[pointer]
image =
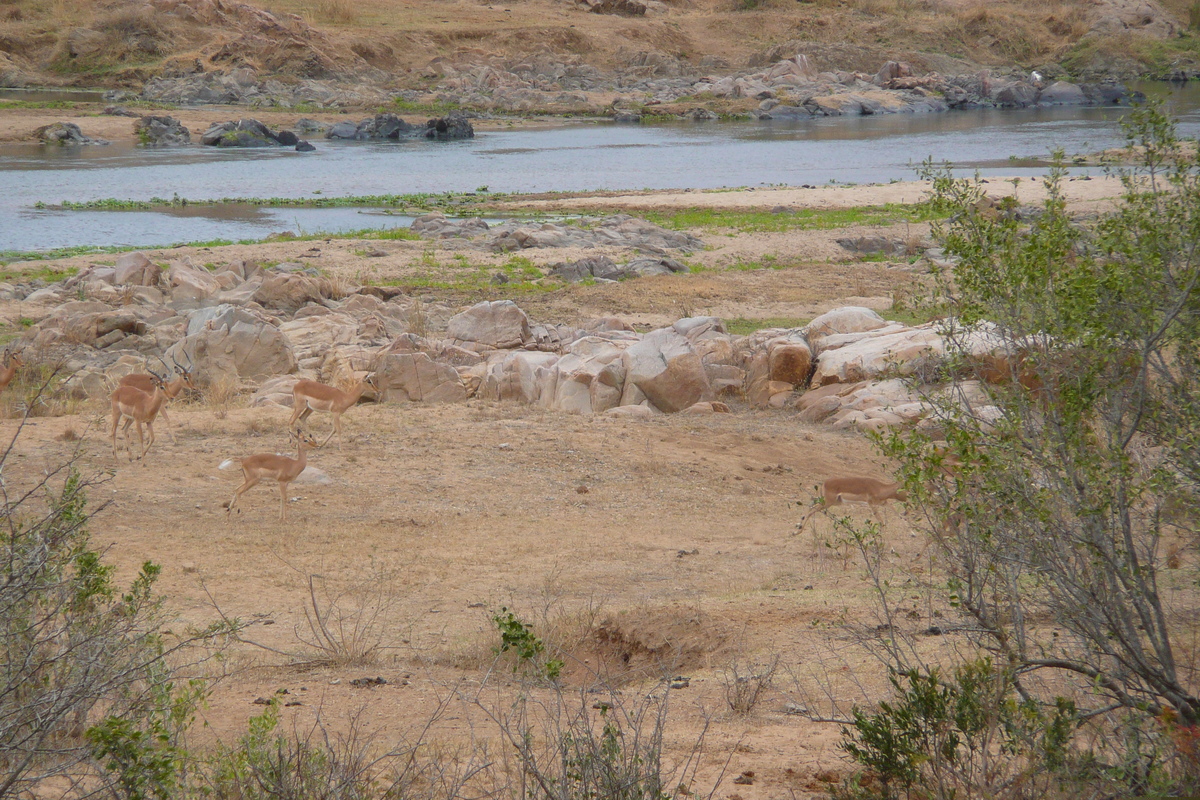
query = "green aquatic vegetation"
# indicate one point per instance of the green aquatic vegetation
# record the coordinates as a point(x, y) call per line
point(418, 201)
point(63, 104)
point(792, 219)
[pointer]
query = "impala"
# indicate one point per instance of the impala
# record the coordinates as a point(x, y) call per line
point(8, 367)
point(852, 489)
point(309, 396)
point(171, 389)
point(275, 467)
point(140, 407)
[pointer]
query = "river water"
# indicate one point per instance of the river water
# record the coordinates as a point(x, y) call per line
point(569, 157)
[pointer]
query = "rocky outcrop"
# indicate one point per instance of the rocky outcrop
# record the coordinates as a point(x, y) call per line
point(64, 133)
point(243, 351)
point(389, 126)
point(250, 133)
point(161, 131)
point(665, 370)
point(417, 378)
point(498, 325)
point(241, 325)
point(620, 230)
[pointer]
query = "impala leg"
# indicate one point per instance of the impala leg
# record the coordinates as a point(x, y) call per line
point(337, 428)
point(297, 413)
point(116, 417)
point(150, 427)
point(167, 422)
point(282, 501)
point(249, 484)
point(128, 448)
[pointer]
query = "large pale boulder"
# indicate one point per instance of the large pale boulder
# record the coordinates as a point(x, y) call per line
point(288, 292)
point(313, 337)
point(417, 377)
point(242, 351)
point(97, 329)
point(849, 319)
point(774, 358)
point(516, 376)
point(498, 323)
point(898, 353)
point(135, 269)
point(666, 370)
point(573, 386)
point(222, 316)
point(347, 364)
point(191, 286)
point(275, 392)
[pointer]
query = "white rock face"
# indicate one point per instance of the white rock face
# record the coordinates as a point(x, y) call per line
point(135, 269)
point(665, 369)
point(243, 351)
point(897, 353)
point(499, 324)
point(418, 378)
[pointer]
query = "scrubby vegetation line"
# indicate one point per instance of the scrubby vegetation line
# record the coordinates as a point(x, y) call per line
point(414, 201)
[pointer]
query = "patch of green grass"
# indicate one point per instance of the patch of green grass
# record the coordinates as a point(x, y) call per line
point(743, 327)
point(435, 109)
point(767, 261)
point(419, 201)
point(63, 104)
point(797, 219)
point(477, 281)
point(47, 274)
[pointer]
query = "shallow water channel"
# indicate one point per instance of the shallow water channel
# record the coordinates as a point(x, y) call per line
point(569, 157)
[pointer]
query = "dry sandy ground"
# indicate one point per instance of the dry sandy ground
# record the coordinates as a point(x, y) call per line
point(676, 532)
point(668, 540)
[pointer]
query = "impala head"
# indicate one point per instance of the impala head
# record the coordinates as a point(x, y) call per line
point(306, 440)
point(370, 381)
point(12, 357)
point(160, 380)
point(184, 372)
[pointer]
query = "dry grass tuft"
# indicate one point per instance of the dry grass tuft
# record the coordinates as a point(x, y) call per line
point(335, 12)
point(220, 394)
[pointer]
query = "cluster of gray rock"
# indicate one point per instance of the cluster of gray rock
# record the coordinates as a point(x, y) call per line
point(64, 133)
point(243, 87)
point(264, 329)
point(618, 230)
point(389, 126)
point(790, 88)
point(251, 133)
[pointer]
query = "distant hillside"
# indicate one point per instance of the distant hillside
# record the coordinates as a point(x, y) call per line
point(415, 44)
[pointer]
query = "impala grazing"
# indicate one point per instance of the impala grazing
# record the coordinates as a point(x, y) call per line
point(852, 489)
point(309, 396)
point(140, 407)
point(271, 466)
point(8, 367)
point(171, 389)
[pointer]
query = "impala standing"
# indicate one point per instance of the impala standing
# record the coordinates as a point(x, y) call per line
point(8, 367)
point(309, 396)
point(171, 389)
point(275, 467)
point(137, 406)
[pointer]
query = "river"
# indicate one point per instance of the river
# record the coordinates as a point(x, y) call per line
point(569, 157)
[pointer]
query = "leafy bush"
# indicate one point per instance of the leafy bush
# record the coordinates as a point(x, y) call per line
point(963, 738)
point(69, 641)
point(1060, 469)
